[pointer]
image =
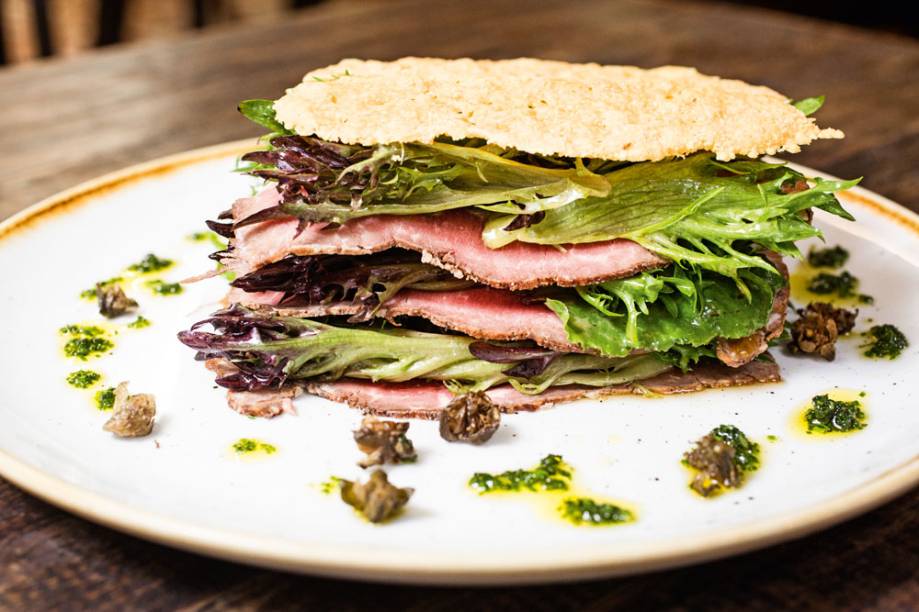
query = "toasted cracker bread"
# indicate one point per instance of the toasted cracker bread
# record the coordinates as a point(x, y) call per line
point(618, 113)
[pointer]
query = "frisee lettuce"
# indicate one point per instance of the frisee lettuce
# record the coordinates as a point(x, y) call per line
point(694, 211)
point(685, 357)
point(636, 294)
point(408, 179)
point(669, 310)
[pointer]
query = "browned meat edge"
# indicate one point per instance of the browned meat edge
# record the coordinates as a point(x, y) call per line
point(709, 376)
point(740, 351)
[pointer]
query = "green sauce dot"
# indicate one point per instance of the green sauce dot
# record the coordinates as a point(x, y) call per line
point(585, 511)
point(150, 263)
point(552, 474)
point(83, 379)
point(161, 287)
point(828, 415)
point(885, 341)
point(831, 257)
point(250, 445)
point(331, 485)
point(139, 323)
point(105, 399)
point(86, 346)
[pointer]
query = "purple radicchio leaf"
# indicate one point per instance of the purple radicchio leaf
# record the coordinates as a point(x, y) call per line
point(529, 361)
point(266, 214)
point(524, 221)
point(312, 171)
point(221, 229)
point(497, 353)
point(365, 281)
point(267, 373)
point(236, 336)
point(531, 367)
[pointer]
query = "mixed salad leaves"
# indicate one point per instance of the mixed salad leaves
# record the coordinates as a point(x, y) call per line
point(716, 222)
point(694, 211)
point(268, 350)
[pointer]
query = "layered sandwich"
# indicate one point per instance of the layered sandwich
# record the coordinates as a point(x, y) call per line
point(538, 231)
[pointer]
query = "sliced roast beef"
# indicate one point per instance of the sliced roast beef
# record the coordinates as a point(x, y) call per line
point(353, 286)
point(495, 314)
point(426, 399)
point(480, 312)
point(266, 403)
point(451, 240)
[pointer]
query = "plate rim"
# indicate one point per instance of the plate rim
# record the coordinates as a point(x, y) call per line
point(410, 567)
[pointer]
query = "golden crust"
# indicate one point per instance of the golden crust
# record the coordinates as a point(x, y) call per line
point(619, 113)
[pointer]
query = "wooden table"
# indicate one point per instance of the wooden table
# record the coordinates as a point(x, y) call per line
point(67, 121)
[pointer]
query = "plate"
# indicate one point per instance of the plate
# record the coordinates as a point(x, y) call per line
point(185, 486)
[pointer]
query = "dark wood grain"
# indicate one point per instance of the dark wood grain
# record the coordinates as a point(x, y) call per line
point(67, 121)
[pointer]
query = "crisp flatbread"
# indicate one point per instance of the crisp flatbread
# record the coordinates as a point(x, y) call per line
point(619, 113)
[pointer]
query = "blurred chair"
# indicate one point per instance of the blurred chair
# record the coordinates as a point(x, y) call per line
point(2, 42)
point(42, 27)
point(36, 16)
point(112, 12)
point(111, 19)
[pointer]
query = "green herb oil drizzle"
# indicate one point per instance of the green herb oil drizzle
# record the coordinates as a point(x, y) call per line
point(553, 478)
point(150, 263)
point(826, 415)
point(248, 446)
point(161, 287)
point(139, 323)
point(552, 474)
point(105, 399)
point(85, 341)
point(830, 257)
point(585, 511)
point(83, 379)
point(884, 341)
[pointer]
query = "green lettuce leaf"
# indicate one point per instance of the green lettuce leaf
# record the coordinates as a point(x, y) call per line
point(262, 113)
point(637, 293)
point(692, 211)
point(660, 312)
point(809, 106)
point(593, 371)
point(684, 356)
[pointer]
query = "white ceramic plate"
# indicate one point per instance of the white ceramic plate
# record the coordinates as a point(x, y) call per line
point(183, 486)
